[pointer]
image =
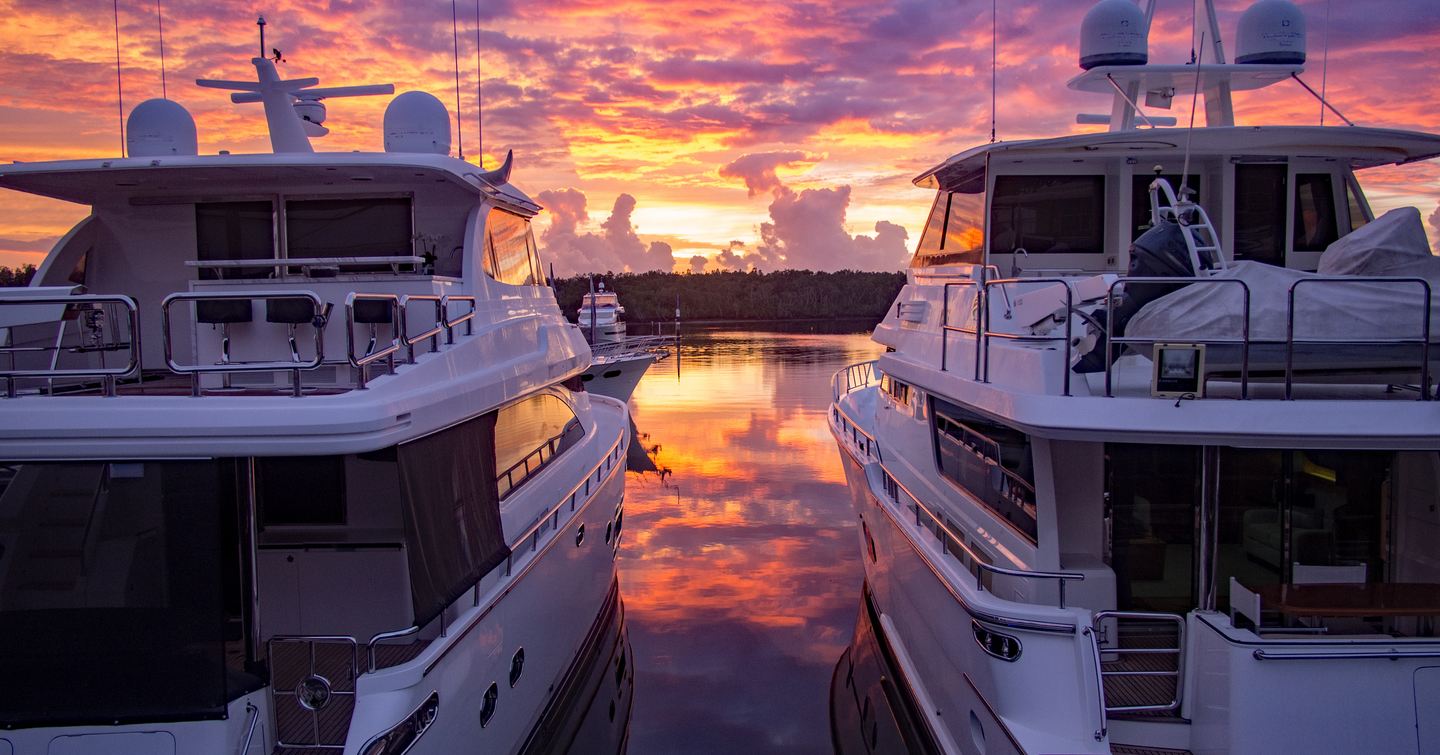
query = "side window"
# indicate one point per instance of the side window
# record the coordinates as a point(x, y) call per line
point(350, 227)
point(1315, 226)
point(898, 391)
point(1048, 215)
point(989, 461)
point(1355, 204)
point(510, 253)
point(1260, 213)
point(955, 232)
point(528, 434)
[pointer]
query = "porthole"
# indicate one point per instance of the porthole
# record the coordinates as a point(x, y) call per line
point(611, 374)
point(517, 666)
point(579, 535)
point(609, 530)
point(587, 377)
point(487, 708)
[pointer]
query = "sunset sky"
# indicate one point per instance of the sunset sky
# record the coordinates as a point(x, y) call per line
point(702, 134)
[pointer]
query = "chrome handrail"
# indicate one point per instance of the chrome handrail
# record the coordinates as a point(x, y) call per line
point(196, 370)
point(946, 328)
point(254, 717)
point(1099, 684)
point(1178, 651)
point(1423, 341)
point(466, 318)
point(361, 363)
point(867, 372)
point(107, 375)
point(1060, 576)
point(1243, 340)
point(433, 333)
point(1069, 308)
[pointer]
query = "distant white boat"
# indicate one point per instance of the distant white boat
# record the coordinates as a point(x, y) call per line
point(599, 316)
point(288, 461)
point(1128, 479)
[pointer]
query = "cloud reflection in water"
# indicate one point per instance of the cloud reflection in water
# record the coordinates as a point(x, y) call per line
point(740, 569)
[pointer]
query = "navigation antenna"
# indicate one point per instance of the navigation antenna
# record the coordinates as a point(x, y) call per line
point(455, 36)
point(260, 22)
point(119, 88)
point(994, 44)
point(160, 23)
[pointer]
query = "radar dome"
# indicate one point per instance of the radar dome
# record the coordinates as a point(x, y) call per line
point(1114, 33)
point(157, 128)
point(417, 122)
point(1271, 31)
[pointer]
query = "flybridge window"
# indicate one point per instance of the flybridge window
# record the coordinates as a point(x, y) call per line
point(235, 231)
point(348, 228)
point(955, 232)
point(510, 253)
point(528, 435)
point(1048, 215)
point(898, 391)
point(989, 461)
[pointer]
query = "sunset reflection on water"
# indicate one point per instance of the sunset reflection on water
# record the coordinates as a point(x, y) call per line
point(739, 568)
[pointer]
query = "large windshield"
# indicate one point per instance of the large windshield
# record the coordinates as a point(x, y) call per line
point(118, 581)
point(955, 232)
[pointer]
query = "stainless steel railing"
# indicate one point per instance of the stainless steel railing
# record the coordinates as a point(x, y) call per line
point(982, 332)
point(1103, 643)
point(93, 303)
point(374, 352)
point(1243, 341)
point(228, 367)
point(1423, 342)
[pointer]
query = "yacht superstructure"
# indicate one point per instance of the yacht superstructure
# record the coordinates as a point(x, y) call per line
point(1132, 476)
point(296, 454)
point(600, 316)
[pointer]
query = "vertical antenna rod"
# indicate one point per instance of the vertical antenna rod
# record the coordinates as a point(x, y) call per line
point(479, 94)
point(1325, 66)
point(119, 90)
point(455, 36)
point(260, 22)
point(160, 23)
point(994, 44)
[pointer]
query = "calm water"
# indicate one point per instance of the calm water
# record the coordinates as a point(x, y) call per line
point(739, 570)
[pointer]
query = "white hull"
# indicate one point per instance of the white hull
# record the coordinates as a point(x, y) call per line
point(617, 377)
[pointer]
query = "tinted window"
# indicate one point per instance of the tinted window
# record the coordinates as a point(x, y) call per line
point(510, 253)
point(989, 461)
point(1356, 206)
point(1315, 226)
point(348, 228)
point(530, 433)
point(1260, 213)
point(301, 490)
point(955, 232)
point(1048, 214)
point(1140, 199)
point(234, 231)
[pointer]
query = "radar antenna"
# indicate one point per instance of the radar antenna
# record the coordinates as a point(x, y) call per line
point(294, 108)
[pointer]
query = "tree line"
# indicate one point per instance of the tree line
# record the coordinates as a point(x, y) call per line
point(17, 276)
point(754, 295)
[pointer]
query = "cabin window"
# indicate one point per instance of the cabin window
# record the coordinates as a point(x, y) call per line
point(1048, 215)
point(1315, 218)
point(528, 435)
point(898, 391)
point(1355, 204)
point(1260, 213)
point(511, 255)
point(300, 490)
point(235, 231)
point(989, 461)
point(1140, 198)
point(375, 227)
point(115, 580)
point(955, 232)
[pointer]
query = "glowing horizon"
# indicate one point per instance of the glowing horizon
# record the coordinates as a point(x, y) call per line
point(681, 106)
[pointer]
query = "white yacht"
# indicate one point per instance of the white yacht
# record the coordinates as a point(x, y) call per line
point(1150, 462)
point(600, 316)
point(296, 455)
point(618, 365)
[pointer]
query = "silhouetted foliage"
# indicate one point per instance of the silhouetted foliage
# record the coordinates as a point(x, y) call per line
point(781, 295)
point(19, 276)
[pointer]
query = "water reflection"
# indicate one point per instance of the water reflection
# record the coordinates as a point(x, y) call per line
point(740, 565)
point(869, 712)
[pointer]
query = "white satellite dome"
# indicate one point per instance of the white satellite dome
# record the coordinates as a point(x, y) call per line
point(417, 122)
point(1114, 33)
point(157, 128)
point(1271, 31)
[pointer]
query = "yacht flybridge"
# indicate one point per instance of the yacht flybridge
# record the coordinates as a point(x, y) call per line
point(296, 456)
point(1150, 462)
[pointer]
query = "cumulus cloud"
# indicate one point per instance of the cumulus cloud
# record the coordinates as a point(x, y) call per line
point(616, 248)
point(757, 169)
point(697, 263)
point(1435, 227)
